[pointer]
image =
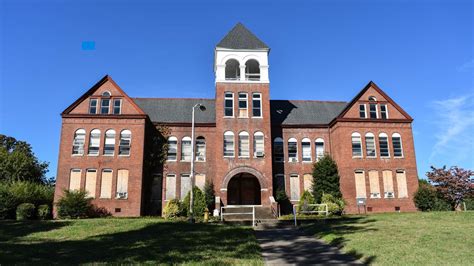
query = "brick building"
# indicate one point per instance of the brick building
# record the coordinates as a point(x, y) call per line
point(248, 145)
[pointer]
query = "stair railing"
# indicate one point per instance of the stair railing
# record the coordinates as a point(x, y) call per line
point(238, 213)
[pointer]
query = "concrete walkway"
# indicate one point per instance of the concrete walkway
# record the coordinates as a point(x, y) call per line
point(292, 246)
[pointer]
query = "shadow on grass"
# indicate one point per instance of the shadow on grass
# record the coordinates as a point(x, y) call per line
point(10, 229)
point(162, 242)
point(334, 229)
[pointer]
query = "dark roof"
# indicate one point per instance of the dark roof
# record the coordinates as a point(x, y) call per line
point(241, 38)
point(287, 112)
point(177, 110)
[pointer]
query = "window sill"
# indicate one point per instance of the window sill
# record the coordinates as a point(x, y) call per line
point(357, 157)
point(124, 155)
point(307, 161)
point(243, 117)
point(401, 157)
point(200, 161)
point(105, 198)
point(229, 157)
point(228, 117)
point(108, 155)
point(371, 157)
point(171, 161)
point(77, 155)
point(244, 157)
point(257, 117)
point(121, 198)
point(388, 157)
point(93, 155)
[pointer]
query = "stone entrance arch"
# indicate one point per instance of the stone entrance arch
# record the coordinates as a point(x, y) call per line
point(244, 189)
point(241, 170)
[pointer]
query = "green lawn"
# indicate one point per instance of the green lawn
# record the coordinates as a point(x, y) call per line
point(436, 238)
point(143, 240)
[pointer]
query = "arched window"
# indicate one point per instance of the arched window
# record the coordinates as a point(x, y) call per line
point(370, 145)
point(228, 144)
point(94, 142)
point(125, 142)
point(356, 145)
point(78, 143)
point(306, 149)
point(372, 99)
point(244, 144)
point(319, 143)
point(232, 70)
point(292, 150)
point(186, 149)
point(383, 144)
point(278, 150)
point(397, 145)
point(109, 146)
point(200, 149)
point(252, 70)
point(258, 144)
point(172, 148)
point(106, 94)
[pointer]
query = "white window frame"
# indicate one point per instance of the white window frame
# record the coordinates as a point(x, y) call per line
point(259, 99)
point(397, 135)
point(292, 159)
point(229, 134)
point(231, 98)
point(200, 158)
point(386, 111)
point(282, 142)
point(256, 137)
point(123, 138)
point(357, 135)
point(384, 135)
point(318, 155)
point(246, 100)
point(108, 141)
point(77, 146)
point(370, 135)
point(306, 159)
point(376, 111)
point(175, 139)
point(120, 106)
point(96, 105)
point(241, 153)
point(95, 153)
point(103, 106)
point(185, 154)
point(365, 110)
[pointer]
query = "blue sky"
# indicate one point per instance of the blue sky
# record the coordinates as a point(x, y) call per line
point(419, 52)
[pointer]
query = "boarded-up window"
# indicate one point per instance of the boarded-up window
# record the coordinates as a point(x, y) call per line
point(122, 184)
point(374, 184)
point(170, 187)
point(295, 186)
point(200, 180)
point(402, 184)
point(75, 179)
point(388, 184)
point(185, 185)
point(360, 184)
point(91, 180)
point(106, 184)
point(307, 182)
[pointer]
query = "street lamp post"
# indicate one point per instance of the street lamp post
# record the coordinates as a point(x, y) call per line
point(191, 198)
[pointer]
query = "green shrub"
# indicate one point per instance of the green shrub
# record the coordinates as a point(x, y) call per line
point(469, 204)
point(425, 197)
point(74, 204)
point(8, 203)
point(306, 199)
point(440, 204)
point(335, 205)
point(325, 178)
point(199, 203)
point(13, 194)
point(210, 195)
point(172, 209)
point(44, 212)
point(281, 196)
point(25, 211)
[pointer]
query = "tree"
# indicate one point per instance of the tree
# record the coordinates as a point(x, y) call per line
point(454, 184)
point(209, 195)
point(325, 178)
point(19, 163)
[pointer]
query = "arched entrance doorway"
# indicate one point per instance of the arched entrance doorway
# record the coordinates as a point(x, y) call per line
point(243, 189)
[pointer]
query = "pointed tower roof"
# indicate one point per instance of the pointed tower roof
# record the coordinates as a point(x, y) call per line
point(241, 38)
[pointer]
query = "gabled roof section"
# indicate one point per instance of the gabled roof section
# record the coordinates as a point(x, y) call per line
point(372, 84)
point(241, 38)
point(94, 88)
point(293, 113)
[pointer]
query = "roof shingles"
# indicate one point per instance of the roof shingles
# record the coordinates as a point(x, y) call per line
point(241, 38)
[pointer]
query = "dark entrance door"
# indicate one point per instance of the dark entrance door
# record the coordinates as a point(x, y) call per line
point(243, 189)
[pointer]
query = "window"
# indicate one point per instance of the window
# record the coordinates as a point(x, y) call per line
point(374, 184)
point(243, 110)
point(93, 106)
point(109, 146)
point(370, 145)
point(232, 70)
point(106, 94)
point(228, 144)
point(362, 111)
point(319, 143)
point(388, 184)
point(91, 180)
point(170, 187)
point(294, 187)
point(117, 106)
point(185, 185)
point(200, 180)
point(279, 182)
point(125, 142)
point(94, 142)
point(356, 145)
point(306, 149)
point(106, 184)
point(372, 99)
point(384, 111)
point(258, 145)
point(397, 145)
point(278, 150)
point(256, 105)
point(307, 182)
point(402, 184)
point(200, 149)
point(78, 142)
point(105, 106)
point(172, 148)
point(293, 150)
point(383, 143)
point(122, 184)
point(75, 179)
point(229, 104)
point(252, 70)
point(373, 110)
point(186, 149)
point(244, 145)
point(360, 184)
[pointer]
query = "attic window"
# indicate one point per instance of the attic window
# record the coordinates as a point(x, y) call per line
point(106, 94)
point(372, 99)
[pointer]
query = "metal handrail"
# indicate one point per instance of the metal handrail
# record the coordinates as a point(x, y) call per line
point(326, 211)
point(238, 213)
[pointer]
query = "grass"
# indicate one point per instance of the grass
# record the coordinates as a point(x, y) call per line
point(433, 238)
point(127, 240)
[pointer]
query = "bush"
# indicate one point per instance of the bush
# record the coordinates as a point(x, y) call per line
point(440, 204)
point(25, 211)
point(326, 178)
point(335, 205)
point(281, 196)
point(425, 197)
point(469, 204)
point(172, 209)
point(210, 196)
point(305, 199)
point(8, 203)
point(98, 212)
point(13, 194)
point(44, 212)
point(199, 203)
point(74, 204)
